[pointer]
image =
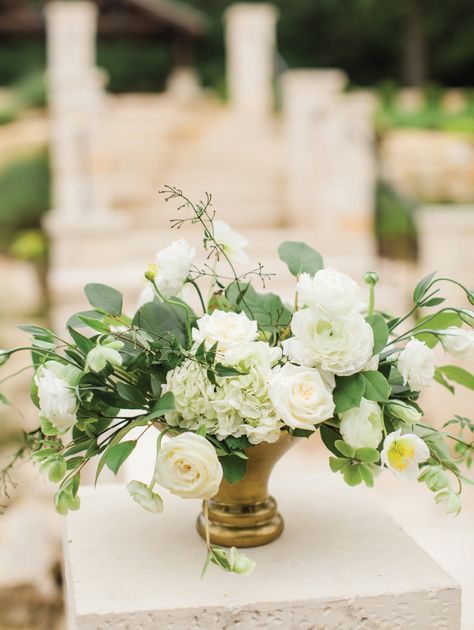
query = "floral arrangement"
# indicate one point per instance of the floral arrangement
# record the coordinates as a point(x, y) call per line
point(246, 368)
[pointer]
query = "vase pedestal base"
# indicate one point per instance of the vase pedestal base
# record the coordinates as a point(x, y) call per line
point(242, 525)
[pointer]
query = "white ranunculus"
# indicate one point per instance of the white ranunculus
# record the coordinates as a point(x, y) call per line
point(145, 497)
point(171, 268)
point(362, 426)
point(188, 466)
point(341, 344)
point(231, 242)
point(57, 400)
point(106, 351)
point(405, 412)
point(227, 328)
point(416, 364)
point(330, 290)
point(402, 454)
point(458, 342)
point(300, 396)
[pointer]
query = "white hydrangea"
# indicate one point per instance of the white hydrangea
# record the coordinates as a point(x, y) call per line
point(238, 405)
point(341, 344)
point(332, 291)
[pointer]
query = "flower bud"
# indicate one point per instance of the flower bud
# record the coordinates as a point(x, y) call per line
point(57, 469)
point(150, 273)
point(435, 477)
point(241, 564)
point(451, 500)
point(145, 497)
point(371, 278)
point(403, 411)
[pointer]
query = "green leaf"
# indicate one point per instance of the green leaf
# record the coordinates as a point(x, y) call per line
point(439, 378)
point(337, 464)
point(104, 298)
point(352, 475)
point(155, 385)
point(118, 453)
point(300, 258)
point(349, 391)
point(422, 287)
point(131, 393)
point(84, 344)
point(329, 436)
point(346, 449)
point(436, 301)
point(75, 322)
point(4, 400)
point(164, 405)
point(160, 318)
point(440, 321)
point(226, 370)
point(266, 309)
point(367, 455)
point(380, 330)
point(367, 475)
point(234, 468)
point(95, 324)
point(38, 332)
point(377, 387)
point(458, 375)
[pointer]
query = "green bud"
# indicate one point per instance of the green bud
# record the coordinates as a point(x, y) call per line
point(150, 273)
point(57, 469)
point(435, 477)
point(371, 278)
point(241, 564)
point(403, 411)
point(451, 500)
point(61, 502)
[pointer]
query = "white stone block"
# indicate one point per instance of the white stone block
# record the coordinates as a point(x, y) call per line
point(341, 564)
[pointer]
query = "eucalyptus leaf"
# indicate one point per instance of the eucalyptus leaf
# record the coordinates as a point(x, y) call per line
point(422, 287)
point(300, 258)
point(349, 391)
point(104, 298)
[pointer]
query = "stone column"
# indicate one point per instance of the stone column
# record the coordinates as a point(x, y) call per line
point(78, 154)
point(329, 158)
point(250, 50)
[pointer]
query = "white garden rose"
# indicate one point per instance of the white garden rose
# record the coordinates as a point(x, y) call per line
point(171, 268)
point(300, 396)
point(341, 344)
point(187, 465)
point(145, 497)
point(402, 454)
point(458, 342)
point(57, 400)
point(330, 290)
point(416, 364)
point(226, 328)
point(231, 242)
point(105, 351)
point(362, 426)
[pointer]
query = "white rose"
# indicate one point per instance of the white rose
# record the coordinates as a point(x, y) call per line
point(106, 351)
point(458, 342)
point(416, 364)
point(231, 242)
point(171, 268)
point(145, 497)
point(331, 290)
point(300, 396)
point(362, 426)
point(341, 344)
point(402, 454)
point(227, 328)
point(188, 466)
point(58, 402)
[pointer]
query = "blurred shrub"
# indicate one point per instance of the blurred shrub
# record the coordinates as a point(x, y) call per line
point(395, 226)
point(30, 245)
point(31, 90)
point(24, 198)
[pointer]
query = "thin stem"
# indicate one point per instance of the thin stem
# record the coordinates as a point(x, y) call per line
point(198, 291)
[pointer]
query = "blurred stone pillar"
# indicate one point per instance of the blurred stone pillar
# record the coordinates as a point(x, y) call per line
point(250, 50)
point(80, 165)
point(330, 158)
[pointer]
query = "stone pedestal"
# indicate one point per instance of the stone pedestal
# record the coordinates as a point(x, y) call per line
point(250, 50)
point(341, 563)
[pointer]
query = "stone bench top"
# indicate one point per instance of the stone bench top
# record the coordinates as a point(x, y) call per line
point(341, 563)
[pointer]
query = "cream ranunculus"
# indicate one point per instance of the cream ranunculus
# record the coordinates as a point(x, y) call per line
point(226, 328)
point(188, 466)
point(300, 396)
point(341, 344)
point(171, 268)
point(402, 454)
point(330, 290)
point(231, 242)
point(362, 426)
point(58, 402)
point(106, 351)
point(458, 342)
point(417, 364)
point(145, 497)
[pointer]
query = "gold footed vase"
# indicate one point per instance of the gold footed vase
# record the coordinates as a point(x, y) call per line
point(243, 514)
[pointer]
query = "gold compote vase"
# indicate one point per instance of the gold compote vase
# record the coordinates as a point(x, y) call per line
point(243, 514)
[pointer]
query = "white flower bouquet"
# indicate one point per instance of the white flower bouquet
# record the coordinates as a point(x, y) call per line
point(243, 370)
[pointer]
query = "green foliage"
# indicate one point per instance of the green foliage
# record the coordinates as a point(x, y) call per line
point(104, 298)
point(380, 331)
point(266, 308)
point(234, 468)
point(458, 375)
point(300, 258)
point(395, 227)
point(377, 387)
point(24, 198)
point(118, 453)
point(349, 391)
